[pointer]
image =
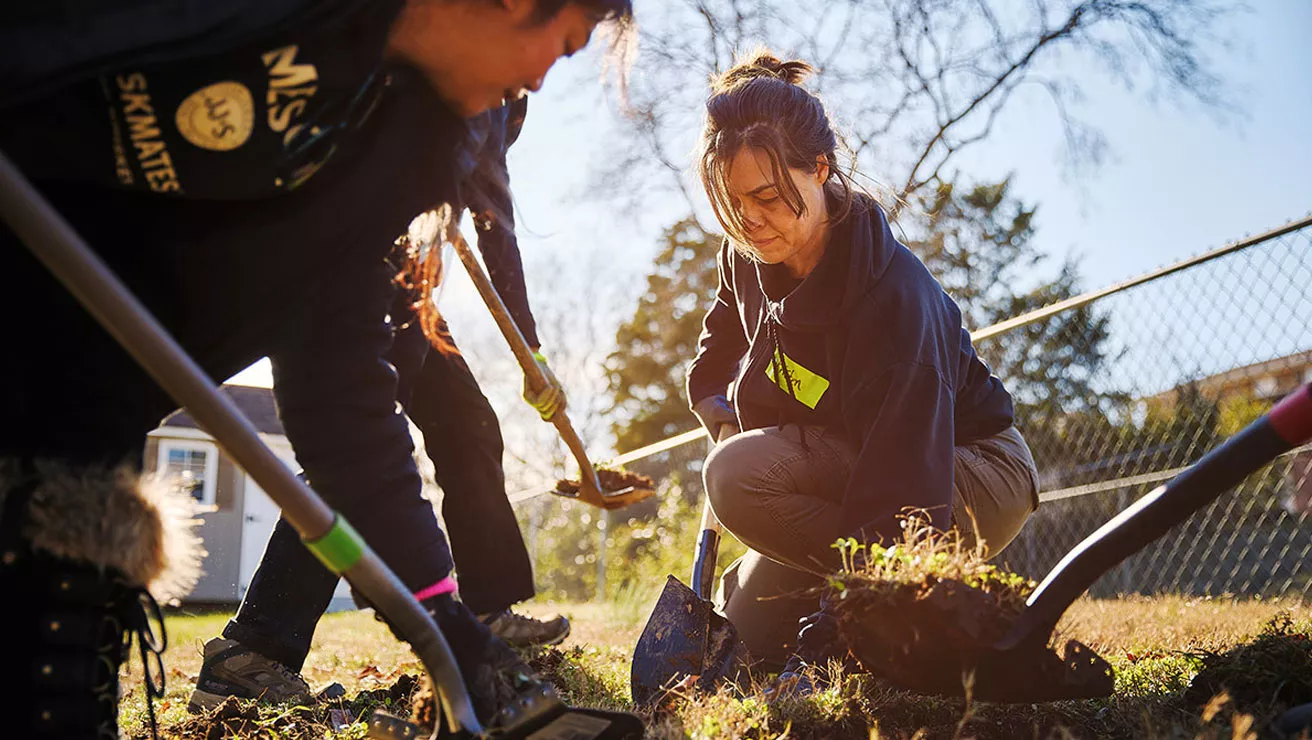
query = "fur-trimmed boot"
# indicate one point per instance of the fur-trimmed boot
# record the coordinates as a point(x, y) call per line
point(81, 553)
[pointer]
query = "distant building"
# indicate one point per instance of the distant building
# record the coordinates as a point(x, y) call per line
point(238, 515)
point(1266, 381)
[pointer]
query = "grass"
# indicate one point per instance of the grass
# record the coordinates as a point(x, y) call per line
point(1157, 645)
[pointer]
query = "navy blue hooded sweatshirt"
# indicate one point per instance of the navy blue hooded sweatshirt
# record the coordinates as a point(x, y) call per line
point(486, 190)
point(868, 343)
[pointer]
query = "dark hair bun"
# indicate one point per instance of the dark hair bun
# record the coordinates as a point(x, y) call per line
point(763, 64)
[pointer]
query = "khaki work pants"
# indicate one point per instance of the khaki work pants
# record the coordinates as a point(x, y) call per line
point(782, 498)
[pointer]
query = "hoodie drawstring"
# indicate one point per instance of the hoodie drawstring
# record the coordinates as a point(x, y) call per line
point(780, 367)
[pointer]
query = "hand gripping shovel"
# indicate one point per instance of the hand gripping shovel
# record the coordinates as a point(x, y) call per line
point(933, 657)
point(590, 490)
point(54, 242)
point(685, 638)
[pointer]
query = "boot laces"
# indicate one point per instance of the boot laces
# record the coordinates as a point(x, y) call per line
point(143, 623)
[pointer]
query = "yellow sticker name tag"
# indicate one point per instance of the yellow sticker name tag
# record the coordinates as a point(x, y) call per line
point(808, 387)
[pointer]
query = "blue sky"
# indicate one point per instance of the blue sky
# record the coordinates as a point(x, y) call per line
point(1177, 181)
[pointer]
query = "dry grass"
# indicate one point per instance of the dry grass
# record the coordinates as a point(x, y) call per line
point(1155, 644)
point(1140, 623)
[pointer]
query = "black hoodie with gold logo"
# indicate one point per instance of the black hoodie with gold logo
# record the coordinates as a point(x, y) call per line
point(256, 119)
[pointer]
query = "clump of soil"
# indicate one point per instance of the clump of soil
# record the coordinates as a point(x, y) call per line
point(232, 718)
point(549, 661)
point(1275, 669)
point(426, 710)
point(610, 479)
point(242, 718)
point(910, 612)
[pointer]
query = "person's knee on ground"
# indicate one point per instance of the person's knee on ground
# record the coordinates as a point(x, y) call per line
point(765, 601)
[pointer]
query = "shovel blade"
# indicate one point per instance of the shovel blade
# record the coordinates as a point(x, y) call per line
point(614, 499)
point(1038, 674)
point(938, 643)
point(931, 661)
point(684, 638)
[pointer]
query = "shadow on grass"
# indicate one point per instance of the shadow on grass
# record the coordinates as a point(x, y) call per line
point(1159, 696)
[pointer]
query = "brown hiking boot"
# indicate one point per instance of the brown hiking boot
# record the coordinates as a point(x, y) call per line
point(231, 669)
point(522, 631)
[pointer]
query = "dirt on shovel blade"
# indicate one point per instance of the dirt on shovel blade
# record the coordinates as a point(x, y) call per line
point(685, 644)
point(610, 480)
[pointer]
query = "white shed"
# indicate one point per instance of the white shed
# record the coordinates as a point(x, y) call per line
point(238, 515)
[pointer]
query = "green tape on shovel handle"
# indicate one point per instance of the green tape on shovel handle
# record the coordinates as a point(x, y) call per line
point(340, 549)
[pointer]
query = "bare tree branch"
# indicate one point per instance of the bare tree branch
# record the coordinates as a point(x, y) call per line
point(913, 82)
point(1047, 37)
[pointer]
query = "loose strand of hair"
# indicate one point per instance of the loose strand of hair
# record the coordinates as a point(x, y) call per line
point(422, 273)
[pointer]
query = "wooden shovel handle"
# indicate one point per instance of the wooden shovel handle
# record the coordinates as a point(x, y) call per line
point(590, 486)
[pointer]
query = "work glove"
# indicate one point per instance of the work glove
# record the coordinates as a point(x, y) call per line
point(718, 416)
point(552, 396)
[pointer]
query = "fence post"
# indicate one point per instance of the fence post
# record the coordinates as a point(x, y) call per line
point(534, 523)
point(1123, 579)
point(603, 527)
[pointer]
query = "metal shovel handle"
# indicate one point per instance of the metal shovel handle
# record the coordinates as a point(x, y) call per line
point(708, 548)
point(590, 485)
point(1286, 426)
point(54, 242)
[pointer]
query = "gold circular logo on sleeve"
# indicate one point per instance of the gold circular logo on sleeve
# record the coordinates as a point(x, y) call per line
point(219, 117)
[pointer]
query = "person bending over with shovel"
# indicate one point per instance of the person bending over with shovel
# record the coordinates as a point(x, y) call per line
point(263, 648)
point(834, 371)
point(243, 167)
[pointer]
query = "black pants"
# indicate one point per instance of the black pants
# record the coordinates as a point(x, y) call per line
point(291, 589)
point(299, 277)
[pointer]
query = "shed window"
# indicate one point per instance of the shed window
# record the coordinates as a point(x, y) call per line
point(191, 467)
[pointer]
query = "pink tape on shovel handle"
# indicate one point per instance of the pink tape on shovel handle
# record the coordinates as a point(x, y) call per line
point(445, 586)
point(1292, 417)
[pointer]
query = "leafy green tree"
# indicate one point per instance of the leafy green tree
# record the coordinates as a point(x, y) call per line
point(978, 241)
point(645, 372)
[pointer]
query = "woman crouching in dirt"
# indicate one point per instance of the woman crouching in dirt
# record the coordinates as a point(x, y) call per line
point(833, 370)
point(244, 167)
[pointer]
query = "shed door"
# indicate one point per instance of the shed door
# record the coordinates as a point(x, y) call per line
point(259, 515)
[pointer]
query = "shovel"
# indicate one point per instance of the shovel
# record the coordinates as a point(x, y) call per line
point(685, 639)
point(590, 489)
point(1021, 667)
point(55, 244)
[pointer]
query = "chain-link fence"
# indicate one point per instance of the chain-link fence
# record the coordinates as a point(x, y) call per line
point(1118, 393)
